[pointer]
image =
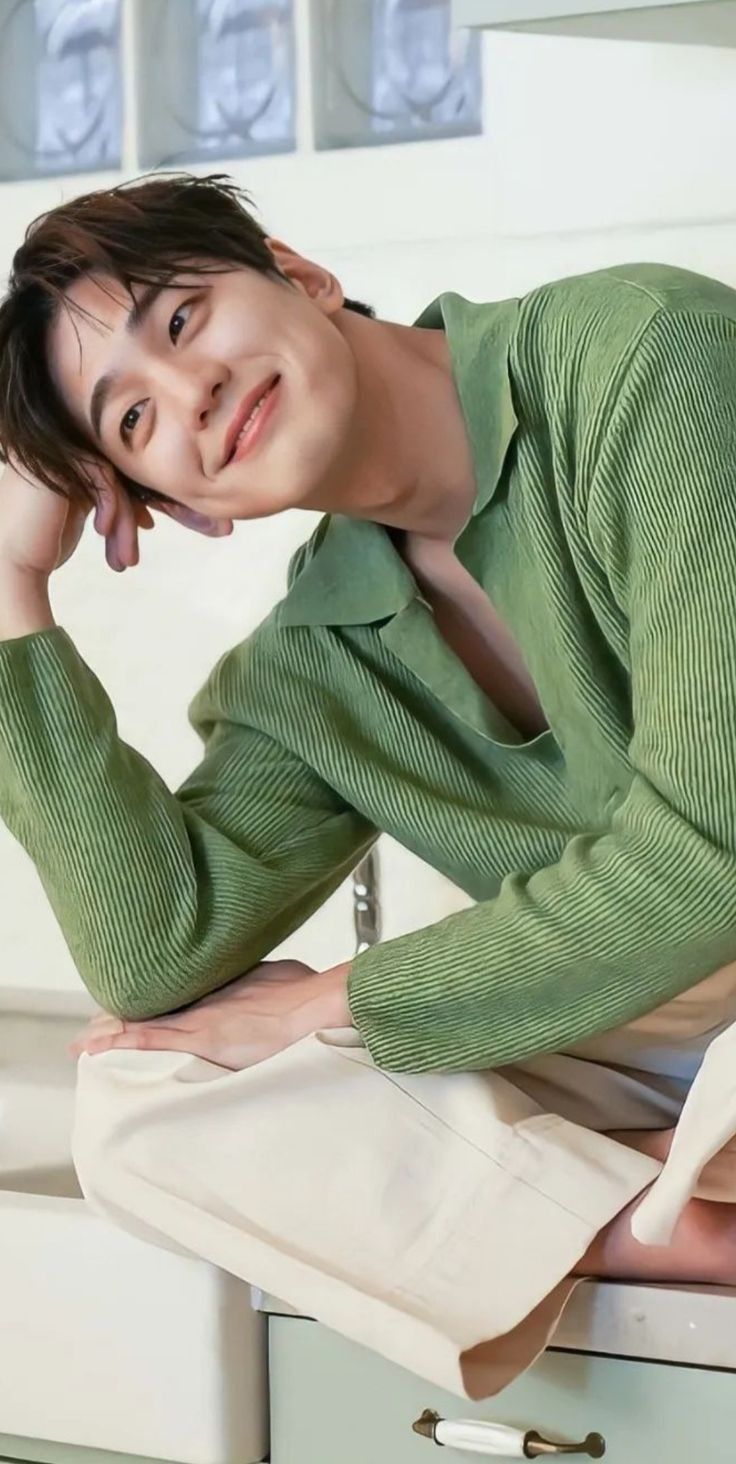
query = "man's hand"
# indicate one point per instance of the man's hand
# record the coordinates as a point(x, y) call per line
point(119, 516)
point(39, 530)
point(252, 1018)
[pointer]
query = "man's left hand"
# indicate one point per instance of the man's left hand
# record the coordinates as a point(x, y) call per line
point(251, 1019)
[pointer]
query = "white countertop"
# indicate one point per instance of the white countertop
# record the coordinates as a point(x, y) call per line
point(31, 1001)
point(685, 1324)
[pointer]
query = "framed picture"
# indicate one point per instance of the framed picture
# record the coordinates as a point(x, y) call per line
point(60, 87)
point(215, 79)
point(392, 71)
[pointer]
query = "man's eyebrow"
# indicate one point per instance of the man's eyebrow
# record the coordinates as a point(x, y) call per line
point(137, 317)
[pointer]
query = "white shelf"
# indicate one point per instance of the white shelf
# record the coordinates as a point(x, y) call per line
point(680, 22)
point(691, 1325)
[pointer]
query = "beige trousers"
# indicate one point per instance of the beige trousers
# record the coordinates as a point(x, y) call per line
point(434, 1218)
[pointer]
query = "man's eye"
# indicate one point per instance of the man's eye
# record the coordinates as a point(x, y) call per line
point(179, 315)
point(130, 420)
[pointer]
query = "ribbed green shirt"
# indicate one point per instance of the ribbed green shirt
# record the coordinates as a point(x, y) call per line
point(601, 855)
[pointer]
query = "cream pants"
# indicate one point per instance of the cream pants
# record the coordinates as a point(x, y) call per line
point(434, 1218)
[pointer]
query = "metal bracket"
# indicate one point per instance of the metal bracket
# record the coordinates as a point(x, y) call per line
point(366, 903)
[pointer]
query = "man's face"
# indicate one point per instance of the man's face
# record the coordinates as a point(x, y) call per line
point(161, 396)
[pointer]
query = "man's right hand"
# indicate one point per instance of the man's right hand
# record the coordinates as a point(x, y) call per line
point(39, 530)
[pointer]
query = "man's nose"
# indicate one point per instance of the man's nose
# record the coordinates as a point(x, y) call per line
point(196, 393)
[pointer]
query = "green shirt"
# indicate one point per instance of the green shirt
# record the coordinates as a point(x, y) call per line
point(601, 412)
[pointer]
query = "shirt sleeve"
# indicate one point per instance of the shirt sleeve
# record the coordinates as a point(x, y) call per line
point(629, 918)
point(162, 897)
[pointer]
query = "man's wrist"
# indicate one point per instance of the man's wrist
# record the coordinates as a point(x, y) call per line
point(332, 1009)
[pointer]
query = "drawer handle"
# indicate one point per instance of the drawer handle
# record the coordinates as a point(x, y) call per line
point(496, 1438)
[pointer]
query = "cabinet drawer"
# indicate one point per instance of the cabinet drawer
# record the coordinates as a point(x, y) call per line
point(333, 1402)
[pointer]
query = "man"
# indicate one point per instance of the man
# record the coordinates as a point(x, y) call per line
point(510, 643)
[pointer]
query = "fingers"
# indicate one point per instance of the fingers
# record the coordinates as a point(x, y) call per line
point(101, 1028)
point(116, 521)
point(201, 523)
point(119, 516)
point(136, 1039)
point(106, 1033)
point(122, 550)
point(103, 1025)
point(143, 516)
point(104, 516)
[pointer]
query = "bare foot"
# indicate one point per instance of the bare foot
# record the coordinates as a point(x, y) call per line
point(702, 1249)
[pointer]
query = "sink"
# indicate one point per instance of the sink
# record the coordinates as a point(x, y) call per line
point(107, 1342)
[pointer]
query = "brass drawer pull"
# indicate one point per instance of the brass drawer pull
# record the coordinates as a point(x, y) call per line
point(498, 1439)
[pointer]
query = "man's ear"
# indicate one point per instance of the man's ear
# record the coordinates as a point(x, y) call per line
point(201, 523)
point(322, 287)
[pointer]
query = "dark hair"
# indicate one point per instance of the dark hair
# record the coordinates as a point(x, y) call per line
point(142, 232)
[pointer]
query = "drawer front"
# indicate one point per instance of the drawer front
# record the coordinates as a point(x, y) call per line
point(333, 1402)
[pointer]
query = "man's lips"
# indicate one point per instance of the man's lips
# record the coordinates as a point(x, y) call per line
point(242, 414)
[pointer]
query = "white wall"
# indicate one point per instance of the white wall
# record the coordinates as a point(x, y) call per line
point(593, 153)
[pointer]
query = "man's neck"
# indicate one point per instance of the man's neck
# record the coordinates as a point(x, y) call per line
point(411, 465)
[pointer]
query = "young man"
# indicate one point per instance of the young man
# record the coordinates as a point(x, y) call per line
point(511, 644)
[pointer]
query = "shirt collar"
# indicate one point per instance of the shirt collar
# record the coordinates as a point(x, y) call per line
point(354, 574)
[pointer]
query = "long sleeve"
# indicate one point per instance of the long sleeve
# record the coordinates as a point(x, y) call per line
point(628, 918)
point(162, 897)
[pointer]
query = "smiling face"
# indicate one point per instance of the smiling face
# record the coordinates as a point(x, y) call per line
point(161, 387)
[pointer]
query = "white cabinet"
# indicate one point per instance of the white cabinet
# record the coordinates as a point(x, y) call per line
point(684, 22)
point(111, 1349)
point(333, 1401)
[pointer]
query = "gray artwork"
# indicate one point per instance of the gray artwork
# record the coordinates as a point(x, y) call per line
point(60, 87)
point(215, 79)
point(392, 71)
